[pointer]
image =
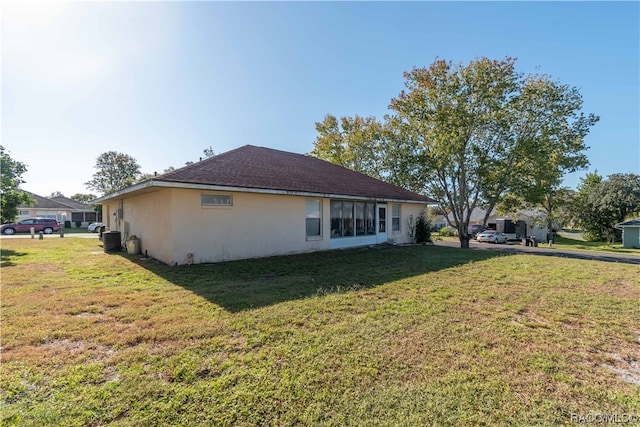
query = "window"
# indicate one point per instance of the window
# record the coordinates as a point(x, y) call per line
point(314, 218)
point(46, 214)
point(395, 217)
point(23, 213)
point(365, 219)
point(342, 224)
point(352, 218)
point(215, 200)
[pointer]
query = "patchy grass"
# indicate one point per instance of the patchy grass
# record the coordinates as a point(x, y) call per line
point(420, 335)
point(567, 242)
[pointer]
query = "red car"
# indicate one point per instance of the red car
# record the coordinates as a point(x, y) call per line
point(46, 225)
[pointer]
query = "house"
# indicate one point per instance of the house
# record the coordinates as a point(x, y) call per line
point(61, 208)
point(256, 202)
point(630, 233)
point(528, 223)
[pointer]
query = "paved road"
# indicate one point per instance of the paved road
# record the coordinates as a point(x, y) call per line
point(547, 251)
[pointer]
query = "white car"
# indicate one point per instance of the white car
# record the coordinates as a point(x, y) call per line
point(491, 236)
point(94, 228)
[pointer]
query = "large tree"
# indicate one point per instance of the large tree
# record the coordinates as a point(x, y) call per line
point(115, 172)
point(456, 116)
point(602, 203)
point(11, 196)
point(474, 135)
point(378, 149)
point(550, 129)
point(351, 142)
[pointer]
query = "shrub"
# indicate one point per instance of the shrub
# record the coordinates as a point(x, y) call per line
point(446, 231)
point(423, 228)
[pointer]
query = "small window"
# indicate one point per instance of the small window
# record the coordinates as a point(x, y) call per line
point(395, 217)
point(215, 200)
point(314, 218)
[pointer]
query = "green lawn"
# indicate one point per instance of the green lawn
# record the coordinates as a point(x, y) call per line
point(420, 335)
point(567, 242)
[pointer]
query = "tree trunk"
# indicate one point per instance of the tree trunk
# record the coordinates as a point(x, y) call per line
point(464, 241)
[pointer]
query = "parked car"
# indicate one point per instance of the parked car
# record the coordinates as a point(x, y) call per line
point(95, 227)
point(491, 236)
point(46, 225)
point(474, 229)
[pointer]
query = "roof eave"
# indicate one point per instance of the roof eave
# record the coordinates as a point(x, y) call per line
point(210, 187)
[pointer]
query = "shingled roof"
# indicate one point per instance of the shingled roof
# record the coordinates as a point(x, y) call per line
point(258, 168)
point(44, 203)
point(60, 203)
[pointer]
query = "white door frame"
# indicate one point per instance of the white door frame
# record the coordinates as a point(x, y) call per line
point(382, 223)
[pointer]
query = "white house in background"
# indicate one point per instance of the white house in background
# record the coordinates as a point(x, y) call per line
point(60, 208)
point(256, 202)
point(630, 233)
point(525, 226)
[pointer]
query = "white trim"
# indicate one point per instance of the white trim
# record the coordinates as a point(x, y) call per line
point(164, 184)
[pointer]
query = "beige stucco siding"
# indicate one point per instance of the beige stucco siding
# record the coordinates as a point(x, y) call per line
point(148, 217)
point(171, 224)
point(255, 225)
point(407, 211)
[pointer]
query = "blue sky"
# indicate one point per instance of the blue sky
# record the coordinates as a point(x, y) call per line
point(162, 81)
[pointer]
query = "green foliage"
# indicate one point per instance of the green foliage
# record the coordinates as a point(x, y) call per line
point(10, 179)
point(602, 203)
point(115, 172)
point(453, 116)
point(547, 123)
point(353, 143)
point(446, 232)
point(469, 135)
point(83, 198)
point(423, 228)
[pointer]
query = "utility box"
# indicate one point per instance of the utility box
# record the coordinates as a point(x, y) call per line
point(133, 246)
point(111, 241)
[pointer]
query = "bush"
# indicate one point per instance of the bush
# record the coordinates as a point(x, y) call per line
point(78, 224)
point(423, 229)
point(67, 224)
point(446, 231)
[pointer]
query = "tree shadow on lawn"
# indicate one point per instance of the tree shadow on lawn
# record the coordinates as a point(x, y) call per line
point(260, 282)
point(7, 256)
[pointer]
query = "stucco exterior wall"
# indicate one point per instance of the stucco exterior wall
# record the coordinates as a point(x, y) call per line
point(175, 228)
point(255, 225)
point(407, 210)
point(148, 217)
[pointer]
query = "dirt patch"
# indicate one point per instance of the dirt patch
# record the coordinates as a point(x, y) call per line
point(626, 368)
point(626, 362)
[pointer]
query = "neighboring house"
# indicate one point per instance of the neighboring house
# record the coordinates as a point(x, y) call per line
point(630, 233)
point(256, 202)
point(526, 226)
point(61, 208)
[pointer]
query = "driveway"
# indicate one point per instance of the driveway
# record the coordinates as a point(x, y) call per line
point(547, 251)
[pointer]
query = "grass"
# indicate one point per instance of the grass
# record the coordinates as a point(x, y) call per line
point(566, 242)
point(420, 335)
point(573, 241)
